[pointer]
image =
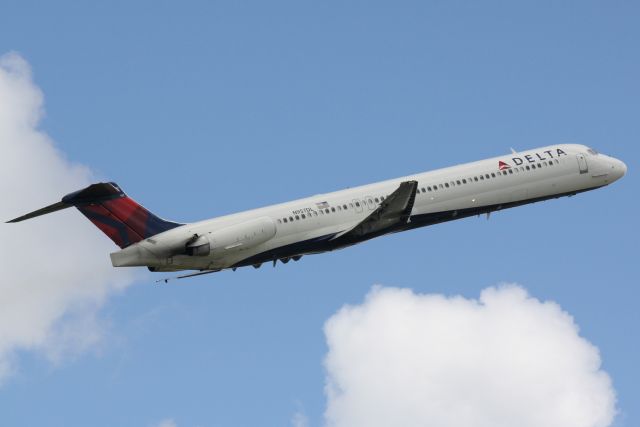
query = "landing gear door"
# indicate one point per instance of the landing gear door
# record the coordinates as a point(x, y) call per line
point(582, 163)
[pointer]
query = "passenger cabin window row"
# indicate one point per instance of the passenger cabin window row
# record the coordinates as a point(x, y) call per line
point(487, 176)
point(329, 210)
point(426, 189)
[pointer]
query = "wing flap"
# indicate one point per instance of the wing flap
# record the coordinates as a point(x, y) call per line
point(394, 210)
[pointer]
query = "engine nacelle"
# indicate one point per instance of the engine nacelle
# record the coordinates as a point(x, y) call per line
point(243, 236)
point(236, 237)
point(202, 243)
point(198, 246)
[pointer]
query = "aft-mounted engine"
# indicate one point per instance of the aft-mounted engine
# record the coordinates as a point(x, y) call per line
point(187, 245)
point(236, 237)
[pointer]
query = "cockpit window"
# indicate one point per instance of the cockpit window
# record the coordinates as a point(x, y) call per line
point(592, 151)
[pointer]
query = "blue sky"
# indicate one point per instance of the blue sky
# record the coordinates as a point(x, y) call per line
point(199, 109)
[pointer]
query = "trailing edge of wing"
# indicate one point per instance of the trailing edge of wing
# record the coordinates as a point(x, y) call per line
point(43, 211)
point(394, 210)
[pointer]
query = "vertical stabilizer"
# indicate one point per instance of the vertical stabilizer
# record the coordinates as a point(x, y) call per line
point(118, 216)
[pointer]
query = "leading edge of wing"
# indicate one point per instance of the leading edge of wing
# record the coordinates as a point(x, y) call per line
point(394, 210)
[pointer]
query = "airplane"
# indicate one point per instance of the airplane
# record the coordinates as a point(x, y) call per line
point(336, 220)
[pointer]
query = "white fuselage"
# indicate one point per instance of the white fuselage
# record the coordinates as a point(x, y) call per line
point(292, 229)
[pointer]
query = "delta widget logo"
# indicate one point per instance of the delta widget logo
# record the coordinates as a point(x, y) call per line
point(502, 165)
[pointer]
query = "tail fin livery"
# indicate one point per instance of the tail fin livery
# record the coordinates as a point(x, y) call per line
point(119, 217)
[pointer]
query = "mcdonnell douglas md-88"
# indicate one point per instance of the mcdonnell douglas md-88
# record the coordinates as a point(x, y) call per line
point(335, 220)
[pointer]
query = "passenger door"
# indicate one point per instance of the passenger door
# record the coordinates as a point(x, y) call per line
point(582, 163)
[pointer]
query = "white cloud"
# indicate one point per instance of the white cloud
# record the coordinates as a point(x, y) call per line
point(507, 359)
point(55, 269)
point(299, 419)
point(167, 423)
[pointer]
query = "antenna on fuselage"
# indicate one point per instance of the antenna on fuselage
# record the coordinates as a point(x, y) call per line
point(513, 151)
point(184, 276)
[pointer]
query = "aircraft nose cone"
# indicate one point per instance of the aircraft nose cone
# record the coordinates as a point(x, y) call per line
point(623, 168)
point(619, 168)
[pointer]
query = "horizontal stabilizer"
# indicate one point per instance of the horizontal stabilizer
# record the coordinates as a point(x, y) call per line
point(48, 209)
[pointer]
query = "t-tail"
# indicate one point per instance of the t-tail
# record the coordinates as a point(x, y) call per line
point(112, 211)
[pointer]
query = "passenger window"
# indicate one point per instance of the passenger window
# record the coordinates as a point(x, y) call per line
point(428, 188)
point(464, 181)
point(493, 174)
point(297, 217)
point(481, 178)
point(423, 190)
point(511, 171)
point(344, 207)
point(291, 219)
point(358, 204)
point(487, 176)
point(446, 184)
point(475, 178)
point(303, 217)
point(376, 199)
point(527, 167)
point(279, 221)
point(333, 209)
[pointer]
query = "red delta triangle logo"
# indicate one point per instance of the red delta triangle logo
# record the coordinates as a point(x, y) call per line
point(502, 165)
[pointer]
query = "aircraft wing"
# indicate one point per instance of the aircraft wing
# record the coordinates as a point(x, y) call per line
point(394, 210)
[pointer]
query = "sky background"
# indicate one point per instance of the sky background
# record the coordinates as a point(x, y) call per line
point(199, 109)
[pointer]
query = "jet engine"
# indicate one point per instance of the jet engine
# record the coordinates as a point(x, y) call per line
point(204, 241)
point(198, 246)
point(236, 237)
